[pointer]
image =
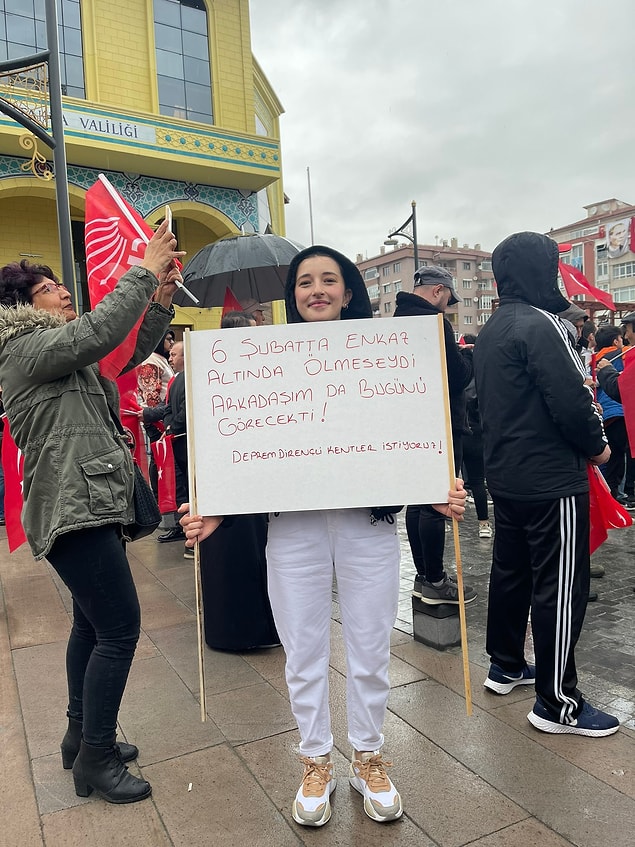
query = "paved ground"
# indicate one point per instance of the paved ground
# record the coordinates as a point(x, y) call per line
point(489, 780)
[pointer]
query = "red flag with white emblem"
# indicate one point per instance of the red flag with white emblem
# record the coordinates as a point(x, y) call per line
point(164, 460)
point(116, 239)
point(13, 467)
point(626, 383)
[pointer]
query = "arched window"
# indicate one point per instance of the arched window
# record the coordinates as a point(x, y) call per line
point(183, 68)
point(23, 32)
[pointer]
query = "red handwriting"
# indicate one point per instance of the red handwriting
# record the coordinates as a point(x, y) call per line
point(388, 389)
point(222, 405)
point(356, 339)
point(313, 367)
point(228, 427)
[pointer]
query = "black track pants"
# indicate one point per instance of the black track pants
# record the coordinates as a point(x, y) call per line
point(541, 561)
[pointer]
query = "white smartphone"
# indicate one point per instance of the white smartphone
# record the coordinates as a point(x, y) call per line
point(168, 216)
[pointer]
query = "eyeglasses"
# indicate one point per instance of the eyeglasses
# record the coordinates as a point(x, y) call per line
point(49, 287)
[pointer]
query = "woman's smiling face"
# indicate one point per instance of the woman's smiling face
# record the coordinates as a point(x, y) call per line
point(320, 291)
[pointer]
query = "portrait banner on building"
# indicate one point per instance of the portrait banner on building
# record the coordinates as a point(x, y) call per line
point(322, 415)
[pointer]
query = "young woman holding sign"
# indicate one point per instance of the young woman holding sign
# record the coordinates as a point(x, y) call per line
point(303, 549)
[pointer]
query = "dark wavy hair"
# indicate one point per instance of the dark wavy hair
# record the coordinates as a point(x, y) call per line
point(17, 278)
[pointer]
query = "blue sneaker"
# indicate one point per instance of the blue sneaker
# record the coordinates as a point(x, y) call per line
point(502, 682)
point(590, 721)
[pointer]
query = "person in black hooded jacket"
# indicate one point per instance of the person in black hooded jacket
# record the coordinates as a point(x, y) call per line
point(433, 292)
point(540, 428)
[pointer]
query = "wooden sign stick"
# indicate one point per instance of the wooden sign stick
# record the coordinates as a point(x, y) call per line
point(191, 469)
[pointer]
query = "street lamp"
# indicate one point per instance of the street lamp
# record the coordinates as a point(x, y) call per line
point(391, 241)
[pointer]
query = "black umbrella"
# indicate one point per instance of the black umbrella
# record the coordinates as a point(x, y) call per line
point(254, 267)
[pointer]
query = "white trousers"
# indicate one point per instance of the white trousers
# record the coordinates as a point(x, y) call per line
point(303, 548)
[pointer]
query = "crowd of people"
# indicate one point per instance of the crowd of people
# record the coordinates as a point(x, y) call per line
point(525, 423)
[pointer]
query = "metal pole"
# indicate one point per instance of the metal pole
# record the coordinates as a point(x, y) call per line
point(414, 234)
point(308, 179)
point(59, 153)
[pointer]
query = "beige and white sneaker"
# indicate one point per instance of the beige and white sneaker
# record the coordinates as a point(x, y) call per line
point(485, 530)
point(382, 801)
point(312, 806)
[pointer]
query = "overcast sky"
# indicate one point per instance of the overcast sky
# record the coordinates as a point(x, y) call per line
point(493, 115)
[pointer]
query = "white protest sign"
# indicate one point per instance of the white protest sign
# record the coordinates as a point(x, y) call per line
point(324, 415)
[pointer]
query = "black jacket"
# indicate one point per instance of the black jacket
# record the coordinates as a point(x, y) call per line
point(609, 381)
point(458, 361)
point(539, 422)
point(174, 419)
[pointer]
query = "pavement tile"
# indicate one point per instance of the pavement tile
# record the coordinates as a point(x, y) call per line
point(159, 606)
point(610, 759)
point(100, 824)
point(523, 834)
point(160, 715)
point(35, 611)
point(245, 714)
point(571, 802)
point(226, 804)
point(41, 679)
point(18, 810)
point(223, 670)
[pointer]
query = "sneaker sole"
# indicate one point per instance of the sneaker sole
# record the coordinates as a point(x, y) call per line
point(370, 809)
point(505, 687)
point(567, 729)
point(326, 817)
point(432, 602)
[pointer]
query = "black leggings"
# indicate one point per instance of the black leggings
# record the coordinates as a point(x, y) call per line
point(106, 622)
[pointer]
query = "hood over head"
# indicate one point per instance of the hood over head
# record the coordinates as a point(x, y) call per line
point(525, 267)
point(359, 305)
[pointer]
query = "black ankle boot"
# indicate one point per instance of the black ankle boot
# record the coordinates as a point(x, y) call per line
point(101, 769)
point(71, 741)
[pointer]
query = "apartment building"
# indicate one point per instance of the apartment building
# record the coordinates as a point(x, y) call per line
point(392, 271)
point(602, 246)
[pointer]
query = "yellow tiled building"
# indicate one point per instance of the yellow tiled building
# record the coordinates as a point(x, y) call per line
point(166, 99)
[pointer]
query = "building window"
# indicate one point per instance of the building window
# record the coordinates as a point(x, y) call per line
point(483, 318)
point(467, 283)
point(602, 271)
point(388, 307)
point(396, 267)
point(486, 301)
point(385, 271)
point(373, 292)
point(623, 270)
point(485, 265)
point(575, 257)
point(182, 51)
point(397, 286)
point(467, 266)
point(371, 273)
point(624, 295)
point(23, 32)
point(387, 286)
point(467, 319)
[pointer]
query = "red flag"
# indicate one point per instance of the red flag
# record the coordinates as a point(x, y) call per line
point(230, 304)
point(575, 282)
point(164, 460)
point(626, 382)
point(116, 238)
point(633, 235)
point(13, 467)
point(604, 511)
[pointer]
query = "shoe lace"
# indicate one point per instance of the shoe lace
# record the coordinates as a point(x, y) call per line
point(315, 777)
point(373, 772)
